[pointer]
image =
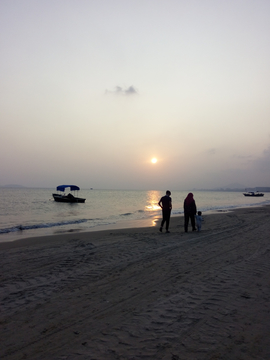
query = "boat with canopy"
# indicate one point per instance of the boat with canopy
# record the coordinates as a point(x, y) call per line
point(70, 198)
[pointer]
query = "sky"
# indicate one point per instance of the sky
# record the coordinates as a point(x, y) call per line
point(92, 91)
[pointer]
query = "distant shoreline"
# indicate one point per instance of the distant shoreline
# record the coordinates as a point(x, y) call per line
point(225, 189)
point(13, 186)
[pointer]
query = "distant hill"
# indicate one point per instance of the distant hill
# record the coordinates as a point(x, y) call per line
point(235, 186)
point(229, 187)
point(13, 186)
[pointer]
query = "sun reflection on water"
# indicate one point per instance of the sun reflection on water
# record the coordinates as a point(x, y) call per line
point(154, 221)
point(153, 198)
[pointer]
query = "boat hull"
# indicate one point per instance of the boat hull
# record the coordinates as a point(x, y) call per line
point(67, 199)
point(254, 195)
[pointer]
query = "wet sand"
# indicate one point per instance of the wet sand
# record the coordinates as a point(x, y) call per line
point(139, 294)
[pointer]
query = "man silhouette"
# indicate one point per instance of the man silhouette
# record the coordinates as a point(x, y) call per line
point(166, 205)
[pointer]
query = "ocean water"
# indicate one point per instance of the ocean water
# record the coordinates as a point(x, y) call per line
point(33, 212)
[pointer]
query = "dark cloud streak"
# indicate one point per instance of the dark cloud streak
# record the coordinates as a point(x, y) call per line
point(123, 91)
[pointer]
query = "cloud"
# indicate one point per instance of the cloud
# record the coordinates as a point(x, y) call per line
point(131, 90)
point(123, 91)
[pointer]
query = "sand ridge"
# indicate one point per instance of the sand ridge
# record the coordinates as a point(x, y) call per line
point(139, 294)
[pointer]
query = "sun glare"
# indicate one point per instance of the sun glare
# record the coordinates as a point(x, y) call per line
point(154, 160)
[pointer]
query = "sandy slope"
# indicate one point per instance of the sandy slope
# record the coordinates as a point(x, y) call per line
point(138, 294)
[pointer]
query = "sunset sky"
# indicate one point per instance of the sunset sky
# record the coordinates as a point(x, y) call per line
point(92, 91)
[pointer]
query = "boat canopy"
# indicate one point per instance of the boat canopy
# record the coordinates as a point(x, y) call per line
point(63, 187)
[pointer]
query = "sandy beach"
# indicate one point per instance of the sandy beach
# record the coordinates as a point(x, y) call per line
point(139, 294)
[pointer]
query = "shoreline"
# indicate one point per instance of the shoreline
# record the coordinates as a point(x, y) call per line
point(138, 293)
point(36, 234)
point(149, 225)
point(124, 224)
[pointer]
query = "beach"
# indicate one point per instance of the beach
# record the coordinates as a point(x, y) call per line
point(140, 294)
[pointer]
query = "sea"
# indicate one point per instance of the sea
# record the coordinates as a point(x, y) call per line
point(28, 212)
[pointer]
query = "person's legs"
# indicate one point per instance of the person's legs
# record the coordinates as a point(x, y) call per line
point(186, 221)
point(163, 220)
point(192, 218)
point(168, 215)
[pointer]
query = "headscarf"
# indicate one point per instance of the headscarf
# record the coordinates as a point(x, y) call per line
point(189, 199)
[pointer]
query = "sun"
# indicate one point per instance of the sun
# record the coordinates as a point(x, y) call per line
point(154, 160)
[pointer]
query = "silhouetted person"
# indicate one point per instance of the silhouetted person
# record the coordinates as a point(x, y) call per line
point(166, 205)
point(190, 211)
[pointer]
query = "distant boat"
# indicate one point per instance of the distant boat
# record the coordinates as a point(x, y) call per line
point(70, 198)
point(252, 193)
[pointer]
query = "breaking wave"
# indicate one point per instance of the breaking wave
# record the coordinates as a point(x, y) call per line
point(40, 226)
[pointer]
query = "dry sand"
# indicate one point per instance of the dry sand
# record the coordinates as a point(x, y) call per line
point(139, 294)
